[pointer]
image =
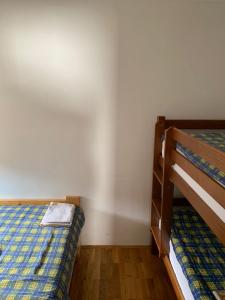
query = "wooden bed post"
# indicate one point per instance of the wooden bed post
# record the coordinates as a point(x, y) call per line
point(167, 192)
point(156, 185)
point(159, 131)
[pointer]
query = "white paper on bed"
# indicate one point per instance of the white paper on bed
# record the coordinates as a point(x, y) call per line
point(58, 214)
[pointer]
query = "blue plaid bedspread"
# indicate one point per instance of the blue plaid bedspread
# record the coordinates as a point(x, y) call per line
point(35, 262)
point(213, 138)
point(200, 254)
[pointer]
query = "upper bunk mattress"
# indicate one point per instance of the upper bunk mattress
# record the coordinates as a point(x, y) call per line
point(198, 251)
point(215, 138)
point(36, 262)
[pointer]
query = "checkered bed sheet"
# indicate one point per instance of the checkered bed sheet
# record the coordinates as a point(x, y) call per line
point(214, 138)
point(200, 254)
point(35, 262)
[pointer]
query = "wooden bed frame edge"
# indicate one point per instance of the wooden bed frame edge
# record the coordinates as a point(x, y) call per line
point(173, 278)
point(26, 201)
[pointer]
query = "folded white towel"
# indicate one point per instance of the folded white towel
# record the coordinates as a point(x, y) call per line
point(58, 214)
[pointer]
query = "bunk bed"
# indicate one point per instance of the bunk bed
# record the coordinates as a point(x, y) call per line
point(37, 262)
point(190, 155)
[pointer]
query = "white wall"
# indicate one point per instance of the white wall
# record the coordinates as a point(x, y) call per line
point(81, 84)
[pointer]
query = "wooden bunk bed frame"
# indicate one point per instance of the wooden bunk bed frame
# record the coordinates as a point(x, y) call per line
point(68, 199)
point(165, 178)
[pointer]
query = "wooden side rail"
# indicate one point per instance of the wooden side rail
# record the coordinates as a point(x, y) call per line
point(212, 187)
point(163, 124)
point(68, 199)
point(173, 278)
point(214, 157)
point(194, 124)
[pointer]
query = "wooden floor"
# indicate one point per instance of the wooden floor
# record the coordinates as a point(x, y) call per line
point(120, 273)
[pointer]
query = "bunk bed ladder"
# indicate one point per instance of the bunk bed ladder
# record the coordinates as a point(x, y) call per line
point(162, 193)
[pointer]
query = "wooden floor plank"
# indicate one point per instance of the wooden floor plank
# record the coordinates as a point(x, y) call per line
point(120, 273)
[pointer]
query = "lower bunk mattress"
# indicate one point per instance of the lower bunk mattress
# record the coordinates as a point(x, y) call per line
point(196, 255)
point(36, 262)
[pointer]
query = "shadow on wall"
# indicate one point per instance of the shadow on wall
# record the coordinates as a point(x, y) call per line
point(64, 125)
point(134, 128)
point(44, 152)
point(56, 95)
point(118, 229)
point(46, 124)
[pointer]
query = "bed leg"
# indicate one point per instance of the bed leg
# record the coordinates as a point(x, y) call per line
point(73, 283)
point(154, 248)
point(77, 255)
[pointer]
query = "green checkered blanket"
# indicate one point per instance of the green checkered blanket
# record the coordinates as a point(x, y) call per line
point(35, 262)
point(200, 254)
point(216, 139)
